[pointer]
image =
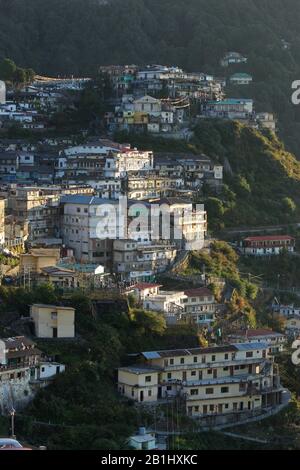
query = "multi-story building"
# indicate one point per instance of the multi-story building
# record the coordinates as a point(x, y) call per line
point(32, 263)
point(19, 358)
point(53, 321)
point(200, 306)
point(268, 245)
point(81, 216)
point(40, 207)
point(90, 225)
point(138, 262)
point(276, 341)
point(230, 108)
point(193, 170)
point(216, 384)
point(167, 302)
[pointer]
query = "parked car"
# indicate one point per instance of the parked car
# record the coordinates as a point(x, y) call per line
point(11, 444)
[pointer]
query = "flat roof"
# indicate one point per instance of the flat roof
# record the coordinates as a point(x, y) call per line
point(246, 346)
point(61, 307)
point(136, 369)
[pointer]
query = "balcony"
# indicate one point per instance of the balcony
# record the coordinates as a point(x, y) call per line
point(215, 364)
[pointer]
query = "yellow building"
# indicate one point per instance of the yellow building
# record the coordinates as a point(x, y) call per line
point(224, 383)
point(33, 262)
point(53, 321)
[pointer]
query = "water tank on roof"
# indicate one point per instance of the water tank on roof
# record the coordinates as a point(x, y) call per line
point(2, 92)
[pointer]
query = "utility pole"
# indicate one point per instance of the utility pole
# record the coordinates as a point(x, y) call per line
point(12, 415)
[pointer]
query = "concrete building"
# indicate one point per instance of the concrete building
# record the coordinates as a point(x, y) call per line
point(276, 341)
point(32, 263)
point(241, 79)
point(53, 321)
point(46, 371)
point(200, 306)
point(268, 245)
point(217, 385)
point(167, 302)
point(18, 359)
point(142, 440)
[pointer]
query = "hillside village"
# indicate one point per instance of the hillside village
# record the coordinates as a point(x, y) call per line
point(76, 262)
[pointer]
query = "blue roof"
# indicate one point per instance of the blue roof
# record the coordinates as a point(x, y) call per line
point(250, 346)
point(231, 101)
point(82, 199)
point(151, 355)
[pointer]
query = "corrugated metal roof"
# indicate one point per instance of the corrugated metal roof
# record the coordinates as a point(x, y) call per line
point(151, 355)
point(251, 346)
point(86, 200)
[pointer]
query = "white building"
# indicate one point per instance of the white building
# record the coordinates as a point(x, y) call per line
point(241, 79)
point(143, 440)
point(2, 92)
point(275, 341)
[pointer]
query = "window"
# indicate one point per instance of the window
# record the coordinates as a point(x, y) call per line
point(209, 371)
point(171, 361)
point(225, 368)
point(213, 358)
point(169, 388)
point(224, 389)
point(209, 391)
point(169, 375)
point(182, 360)
point(226, 406)
point(195, 359)
point(194, 391)
point(226, 356)
point(148, 378)
point(249, 353)
point(193, 373)
point(197, 409)
point(149, 393)
point(211, 407)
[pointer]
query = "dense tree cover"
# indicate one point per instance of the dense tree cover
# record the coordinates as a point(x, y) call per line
point(11, 73)
point(82, 409)
point(75, 36)
point(261, 177)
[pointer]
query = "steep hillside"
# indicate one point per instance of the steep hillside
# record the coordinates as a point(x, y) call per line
point(262, 178)
point(75, 36)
